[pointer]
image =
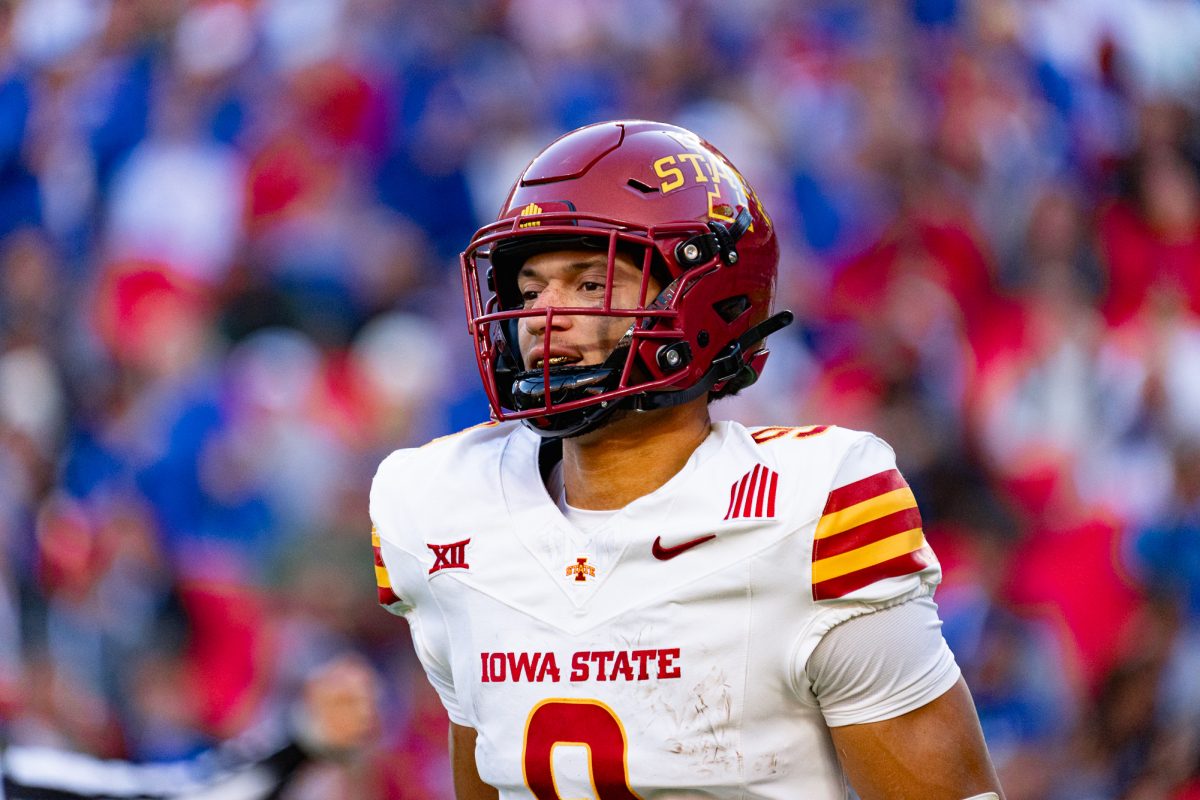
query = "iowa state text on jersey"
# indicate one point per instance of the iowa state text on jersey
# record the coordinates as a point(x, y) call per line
point(586, 665)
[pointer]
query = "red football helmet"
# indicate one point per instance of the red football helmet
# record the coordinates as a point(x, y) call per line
point(675, 204)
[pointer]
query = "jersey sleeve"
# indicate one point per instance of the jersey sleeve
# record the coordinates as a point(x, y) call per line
point(399, 578)
point(383, 581)
point(395, 534)
point(868, 548)
point(878, 666)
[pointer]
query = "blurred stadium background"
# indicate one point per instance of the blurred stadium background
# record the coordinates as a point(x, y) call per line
point(228, 286)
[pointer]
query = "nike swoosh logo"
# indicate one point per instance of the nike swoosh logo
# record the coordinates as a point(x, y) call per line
point(667, 553)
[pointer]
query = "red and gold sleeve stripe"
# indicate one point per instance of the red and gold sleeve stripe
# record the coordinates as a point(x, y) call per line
point(383, 584)
point(869, 530)
point(764, 435)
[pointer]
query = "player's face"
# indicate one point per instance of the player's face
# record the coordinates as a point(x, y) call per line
point(576, 278)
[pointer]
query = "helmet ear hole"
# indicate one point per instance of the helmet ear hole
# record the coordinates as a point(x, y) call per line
point(731, 308)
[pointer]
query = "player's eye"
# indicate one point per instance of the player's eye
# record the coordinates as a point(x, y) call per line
point(592, 286)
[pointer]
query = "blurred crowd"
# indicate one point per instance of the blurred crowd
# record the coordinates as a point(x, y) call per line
point(229, 286)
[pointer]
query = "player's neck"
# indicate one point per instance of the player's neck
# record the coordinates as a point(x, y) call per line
point(632, 456)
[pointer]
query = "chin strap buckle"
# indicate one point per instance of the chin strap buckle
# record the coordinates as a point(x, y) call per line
point(729, 363)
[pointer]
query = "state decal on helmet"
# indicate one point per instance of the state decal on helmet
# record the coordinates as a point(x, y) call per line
point(677, 207)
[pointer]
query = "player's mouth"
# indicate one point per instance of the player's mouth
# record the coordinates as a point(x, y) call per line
point(555, 361)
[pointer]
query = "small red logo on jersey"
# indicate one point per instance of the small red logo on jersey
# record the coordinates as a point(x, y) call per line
point(667, 553)
point(753, 495)
point(449, 556)
point(582, 570)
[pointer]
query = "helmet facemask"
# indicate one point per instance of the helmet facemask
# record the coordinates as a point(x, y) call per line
point(648, 361)
point(559, 400)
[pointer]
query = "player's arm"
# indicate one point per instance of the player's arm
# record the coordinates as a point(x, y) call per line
point(899, 712)
point(936, 752)
point(400, 581)
point(467, 783)
point(900, 715)
point(430, 640)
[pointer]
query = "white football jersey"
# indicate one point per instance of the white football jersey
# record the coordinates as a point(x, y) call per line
point(661, 654)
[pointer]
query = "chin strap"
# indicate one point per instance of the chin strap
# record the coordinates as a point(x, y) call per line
point(725, 367)
point(549, 454)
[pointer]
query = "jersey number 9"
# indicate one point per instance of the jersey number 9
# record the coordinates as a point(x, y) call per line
point(586, 723)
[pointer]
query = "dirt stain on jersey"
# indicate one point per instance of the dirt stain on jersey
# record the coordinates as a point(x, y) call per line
point(766, 765)
point(705, 725)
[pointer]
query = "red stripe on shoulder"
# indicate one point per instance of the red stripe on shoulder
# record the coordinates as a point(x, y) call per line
point(874, 531)
point(892, 568)
point(865, 489)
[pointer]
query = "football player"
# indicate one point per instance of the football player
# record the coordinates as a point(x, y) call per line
point(616, 597)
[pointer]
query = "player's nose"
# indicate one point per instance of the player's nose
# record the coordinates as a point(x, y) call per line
point(547, 301)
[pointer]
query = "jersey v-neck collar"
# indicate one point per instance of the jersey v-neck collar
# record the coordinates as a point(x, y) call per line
point(540, 525)
point(522, 486)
